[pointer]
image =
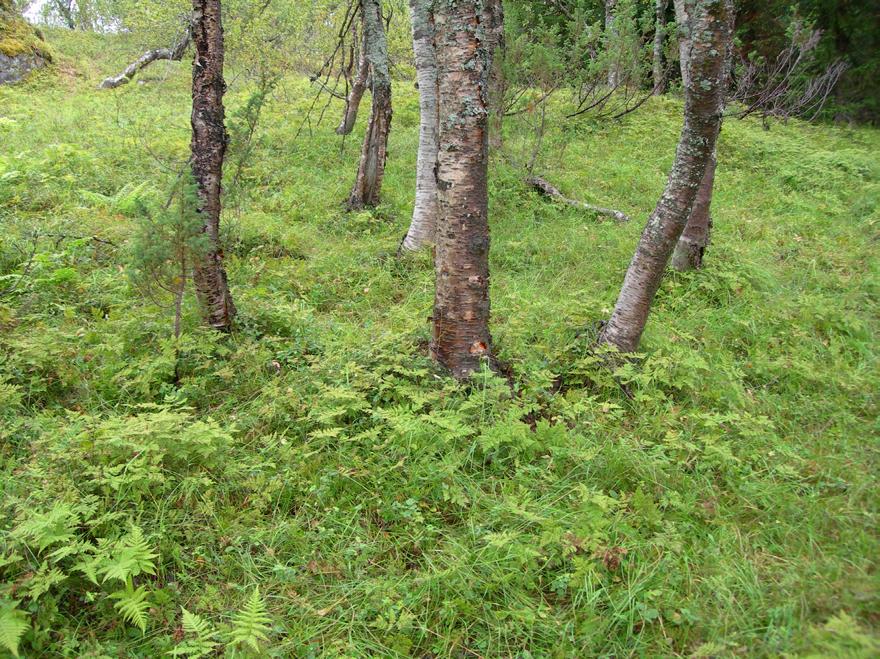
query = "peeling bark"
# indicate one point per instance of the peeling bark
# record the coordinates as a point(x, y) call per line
point(358, 87)
point(704, 101)
point(368, 184)
point(208, 147)
point(547, 189)
point(174, 54)
point(424, 220)
point(659, 25)
point(461, 340)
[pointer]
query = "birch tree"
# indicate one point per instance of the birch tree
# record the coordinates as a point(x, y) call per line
point(691, 247)
point(368, 184)
point(424, 220)
point(208, 149)
point(711, 32)
point(461, 340)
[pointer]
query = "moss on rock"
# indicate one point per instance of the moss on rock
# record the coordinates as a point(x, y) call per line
point(17, 37)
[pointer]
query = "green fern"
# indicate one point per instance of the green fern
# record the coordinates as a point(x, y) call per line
point(55, 526)
point(43, 580)
point(251, 624)
point(133, 605)
point(132, 557)
point(124, 201)
point(203, 632)
point(13, 625)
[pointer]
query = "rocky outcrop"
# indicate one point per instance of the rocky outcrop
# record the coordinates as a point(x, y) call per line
point(22, 48)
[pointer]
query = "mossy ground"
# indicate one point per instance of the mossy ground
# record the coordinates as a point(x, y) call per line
point(728, 508)
point(17, 37)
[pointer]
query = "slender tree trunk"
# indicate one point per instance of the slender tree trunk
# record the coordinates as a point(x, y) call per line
point(368, 184)
point(611, 41)
point(209, 141)
point(697, 234)
point(358, 87)
point(704, 101)
point(659, 30)
point(424, 220)
point(461, 339)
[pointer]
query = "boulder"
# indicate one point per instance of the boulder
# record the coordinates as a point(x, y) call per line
point(22, 48)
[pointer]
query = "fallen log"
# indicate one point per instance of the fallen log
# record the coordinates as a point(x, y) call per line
point(548, 190)
point(174, 54)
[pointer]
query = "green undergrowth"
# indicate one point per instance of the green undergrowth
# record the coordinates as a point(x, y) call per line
point(313, 486)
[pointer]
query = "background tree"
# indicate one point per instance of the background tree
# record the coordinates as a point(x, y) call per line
point(461, 340)
point(368, 183)
point(659, 41)
point(358, 83)
point(208, 148)
point(712, 31)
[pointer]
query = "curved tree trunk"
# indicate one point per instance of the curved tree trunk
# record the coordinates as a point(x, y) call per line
point(461, 340)
point(208, 146)
point(659, 25)
point(704, 100)
point(358, 87)
point(174, 54)
point(424, 220)
point(368, 184)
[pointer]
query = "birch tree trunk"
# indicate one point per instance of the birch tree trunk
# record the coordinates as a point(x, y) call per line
point(368, 184)
point(659, 30)
point(424, 220)
point(208, 147)
point(697, 234)
point(461, 339)
point(358, 87)
point(174, 54)
point(704, 101)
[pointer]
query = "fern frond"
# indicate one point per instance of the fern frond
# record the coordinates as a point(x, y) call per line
point(132, 557)
point(13, 625)
point(204, 633)
point(250, 625)
point(133, 605)
point(43, 580)
point(52, 527)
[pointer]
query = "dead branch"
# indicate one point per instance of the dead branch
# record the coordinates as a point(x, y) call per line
point(787, 85)
point(174, 54)
point(548, 190)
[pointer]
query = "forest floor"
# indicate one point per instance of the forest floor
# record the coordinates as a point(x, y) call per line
point(728, 507)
